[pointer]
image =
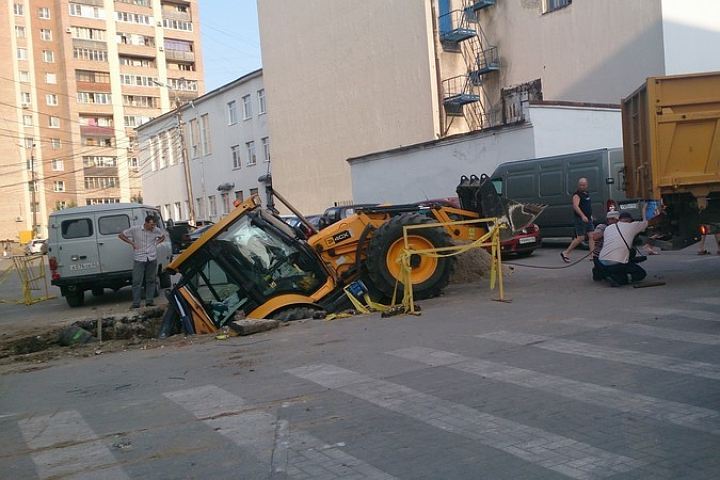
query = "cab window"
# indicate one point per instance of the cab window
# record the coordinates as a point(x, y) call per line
point(76, 228)
point(113, 224)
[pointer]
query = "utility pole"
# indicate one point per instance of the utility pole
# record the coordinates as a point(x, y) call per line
point(33, 204)
point(186, 164)
point(183, 154)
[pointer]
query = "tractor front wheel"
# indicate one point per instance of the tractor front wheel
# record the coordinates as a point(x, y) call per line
point(429, 274)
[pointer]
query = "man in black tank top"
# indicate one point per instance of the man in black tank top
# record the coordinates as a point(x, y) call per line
point(583, 221)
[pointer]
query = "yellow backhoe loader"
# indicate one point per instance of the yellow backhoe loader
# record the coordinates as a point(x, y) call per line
point(253, 263)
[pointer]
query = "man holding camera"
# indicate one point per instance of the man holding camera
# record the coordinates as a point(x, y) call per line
point(617, 252)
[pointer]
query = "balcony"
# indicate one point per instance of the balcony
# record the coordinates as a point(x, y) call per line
point(89, 44)
point(94, 3)
point(478, 5)
point(175, 15)
point(457, 92)
point(178, 55)
point(454, 27)
point(484, 62)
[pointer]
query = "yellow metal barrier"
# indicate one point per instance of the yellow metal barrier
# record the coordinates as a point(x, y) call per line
point(490, 239)
point(33, 277)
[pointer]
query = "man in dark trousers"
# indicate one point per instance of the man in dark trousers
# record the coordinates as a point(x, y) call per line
point(615, 254)
point(144, 240)
point(583, 221)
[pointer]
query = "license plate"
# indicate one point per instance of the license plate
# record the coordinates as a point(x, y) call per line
point(628, 206)
point(83, 266)
point(525, 240)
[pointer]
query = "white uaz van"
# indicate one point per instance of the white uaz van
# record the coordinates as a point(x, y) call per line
point(85, 253)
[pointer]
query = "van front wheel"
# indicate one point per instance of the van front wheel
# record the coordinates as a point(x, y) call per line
point(75, 299)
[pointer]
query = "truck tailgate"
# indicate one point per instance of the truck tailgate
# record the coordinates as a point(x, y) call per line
point(671, 136)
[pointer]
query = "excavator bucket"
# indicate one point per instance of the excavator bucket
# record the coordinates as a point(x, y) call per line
point(478, 194)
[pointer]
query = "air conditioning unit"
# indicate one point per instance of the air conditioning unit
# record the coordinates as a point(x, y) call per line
point(68, 30)
point(159, 24)
point(18, 219)
point(162, 49)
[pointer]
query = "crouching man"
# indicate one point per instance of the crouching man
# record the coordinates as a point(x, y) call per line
point(617, 245)
point(598, 271)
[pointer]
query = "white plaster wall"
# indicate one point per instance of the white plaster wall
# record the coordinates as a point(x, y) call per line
point(345, 78)
point(590, 51)
point(559, 130)
point(167, 185)
point(691, 35)
point(434, 171)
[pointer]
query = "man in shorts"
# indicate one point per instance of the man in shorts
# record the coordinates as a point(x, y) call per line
point(583, 221)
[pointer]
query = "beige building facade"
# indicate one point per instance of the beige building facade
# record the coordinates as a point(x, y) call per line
point(348, 78)
point(80, 76)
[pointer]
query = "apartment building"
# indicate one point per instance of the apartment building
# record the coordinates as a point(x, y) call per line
point(227, 147)
point(350, 78)
point(80, 75)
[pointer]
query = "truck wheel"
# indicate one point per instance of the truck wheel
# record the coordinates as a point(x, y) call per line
point(75, 299)
point(297, 313)
point(429, 275)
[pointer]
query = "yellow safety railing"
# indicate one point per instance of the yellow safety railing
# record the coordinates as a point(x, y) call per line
point(33, 278)
point(490, 239)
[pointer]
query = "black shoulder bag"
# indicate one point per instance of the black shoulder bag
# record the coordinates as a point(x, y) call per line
point(635, 257)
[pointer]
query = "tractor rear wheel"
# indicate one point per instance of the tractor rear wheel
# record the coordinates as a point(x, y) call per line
point(429, 275)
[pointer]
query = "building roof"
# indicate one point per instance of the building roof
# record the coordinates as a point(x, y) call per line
point(212, 93)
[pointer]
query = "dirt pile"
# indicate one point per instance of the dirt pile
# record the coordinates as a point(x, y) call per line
point(472, 266)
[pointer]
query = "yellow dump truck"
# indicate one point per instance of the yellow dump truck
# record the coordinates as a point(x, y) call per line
point(671, 143)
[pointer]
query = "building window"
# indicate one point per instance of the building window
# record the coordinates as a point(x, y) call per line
point(212, 204)
point(55, 143)
point(194, 135)
point(29, 142)
point(253, 191)
point(205, 134)
point(27, 120)
point(87, 11)
point(99, 161)
point(25, 99)
point(84, 33)
point(44, 13)
point(92, 76)
point(225, 202)
point(138, 80)
point(232, 112)
point(235, 153)
point(128, 17)
point(94, 98)
point(46, 34)
point(247, 107)
point(101, 201)
point(177, 210)
point(22, 54)
point(18, 9)
point(54, 122)
point(101, 182)
point(266, 148)
point(58, 186)
point(60, 205)
point(51, 99)
point(251, 158)
point(24, 76)
point(200, 208)
point(552, 5)
point(19, 31)
point(133, 161)
point(90, 55)
point(48, 56)
point(51, 78)
point(137, 61)
point(183, 25)
point(239, 196)
point(58, 165)
point(262, 108)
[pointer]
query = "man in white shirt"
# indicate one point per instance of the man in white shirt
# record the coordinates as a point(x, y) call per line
point(144, 240)
point(615, 254)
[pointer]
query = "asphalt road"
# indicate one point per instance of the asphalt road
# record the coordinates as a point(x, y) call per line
point(572, 379)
